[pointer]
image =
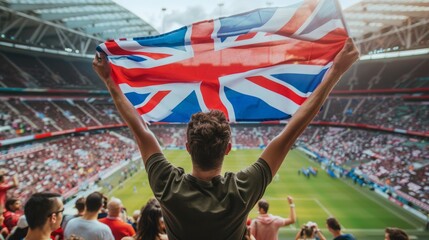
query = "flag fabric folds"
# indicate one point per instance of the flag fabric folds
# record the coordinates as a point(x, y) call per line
point(255, 66)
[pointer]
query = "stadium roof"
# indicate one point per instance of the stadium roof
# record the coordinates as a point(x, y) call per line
point(374, 16)
point(78, 26)
point(102, 19)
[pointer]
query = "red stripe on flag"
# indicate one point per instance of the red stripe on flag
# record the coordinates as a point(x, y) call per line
point(201, 34)
point(115, 49)
point(301, 15)
point(153, 102)
point(211, 97)
point(277, 88)
point(246, 36)
point(338, 35)
point(203, 46)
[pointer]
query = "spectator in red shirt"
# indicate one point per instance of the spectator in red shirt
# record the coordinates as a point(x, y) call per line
point(119, 228)
point(5, 186)
point(11, 215)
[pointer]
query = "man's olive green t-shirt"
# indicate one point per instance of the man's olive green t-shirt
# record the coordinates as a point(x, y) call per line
point(204, 210)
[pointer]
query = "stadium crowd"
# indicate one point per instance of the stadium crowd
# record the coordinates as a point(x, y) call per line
point(65, 163)
point(395, 160)
point(388, 112)
point(21, 117)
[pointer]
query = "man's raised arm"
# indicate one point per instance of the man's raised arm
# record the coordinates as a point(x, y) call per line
point(146, 141)
point(278, 148)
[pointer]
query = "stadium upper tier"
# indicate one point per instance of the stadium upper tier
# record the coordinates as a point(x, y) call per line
point(33, 115)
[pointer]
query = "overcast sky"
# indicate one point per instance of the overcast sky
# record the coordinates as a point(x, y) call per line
point(183, 12)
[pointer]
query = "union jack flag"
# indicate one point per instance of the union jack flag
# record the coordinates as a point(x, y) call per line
point(255, 66)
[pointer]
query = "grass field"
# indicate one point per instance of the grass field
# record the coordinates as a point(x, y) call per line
point(359, 210)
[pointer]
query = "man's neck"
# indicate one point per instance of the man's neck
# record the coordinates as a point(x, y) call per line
point(336, 233)
point(38, 234)
point(205, 175)
point(90, 216)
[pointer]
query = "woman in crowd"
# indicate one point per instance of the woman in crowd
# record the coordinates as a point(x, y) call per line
point(309, 232)
point(150, 225)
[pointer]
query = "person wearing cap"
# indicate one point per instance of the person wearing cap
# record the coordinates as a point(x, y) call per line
point(4, 187)
point(266, 226)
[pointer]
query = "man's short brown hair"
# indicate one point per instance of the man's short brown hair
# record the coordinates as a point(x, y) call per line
point(333, 224)
point(264, 205)
point(208, 135)
point(396, 234)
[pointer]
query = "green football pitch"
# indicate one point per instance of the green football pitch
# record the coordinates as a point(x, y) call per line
point(360, 211)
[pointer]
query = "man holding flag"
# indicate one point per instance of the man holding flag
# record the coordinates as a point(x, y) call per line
point(146, 83)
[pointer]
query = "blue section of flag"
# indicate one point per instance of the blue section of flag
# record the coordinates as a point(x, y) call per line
point(305, 83)
point(136, 98)
point(174, 39)
point(183, 111)
point(243, 23)
point(252, 108)
point(136, 58)
point(327, 12)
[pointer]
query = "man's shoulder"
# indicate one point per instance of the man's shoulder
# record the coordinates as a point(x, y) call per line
point(103, 220)
point(76, 220)
point(155, 158)
point(345, 237)
point(80, 220)
point(72, 223)
point(116, 223)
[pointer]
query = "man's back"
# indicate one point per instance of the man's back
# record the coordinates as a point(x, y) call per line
point(119, 228)
point(267, 226)
point(88, 229)
point(195, 209)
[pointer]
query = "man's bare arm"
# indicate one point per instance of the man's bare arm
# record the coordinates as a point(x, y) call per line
point(292, 214)
point(145, 139)
point(278, 148)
